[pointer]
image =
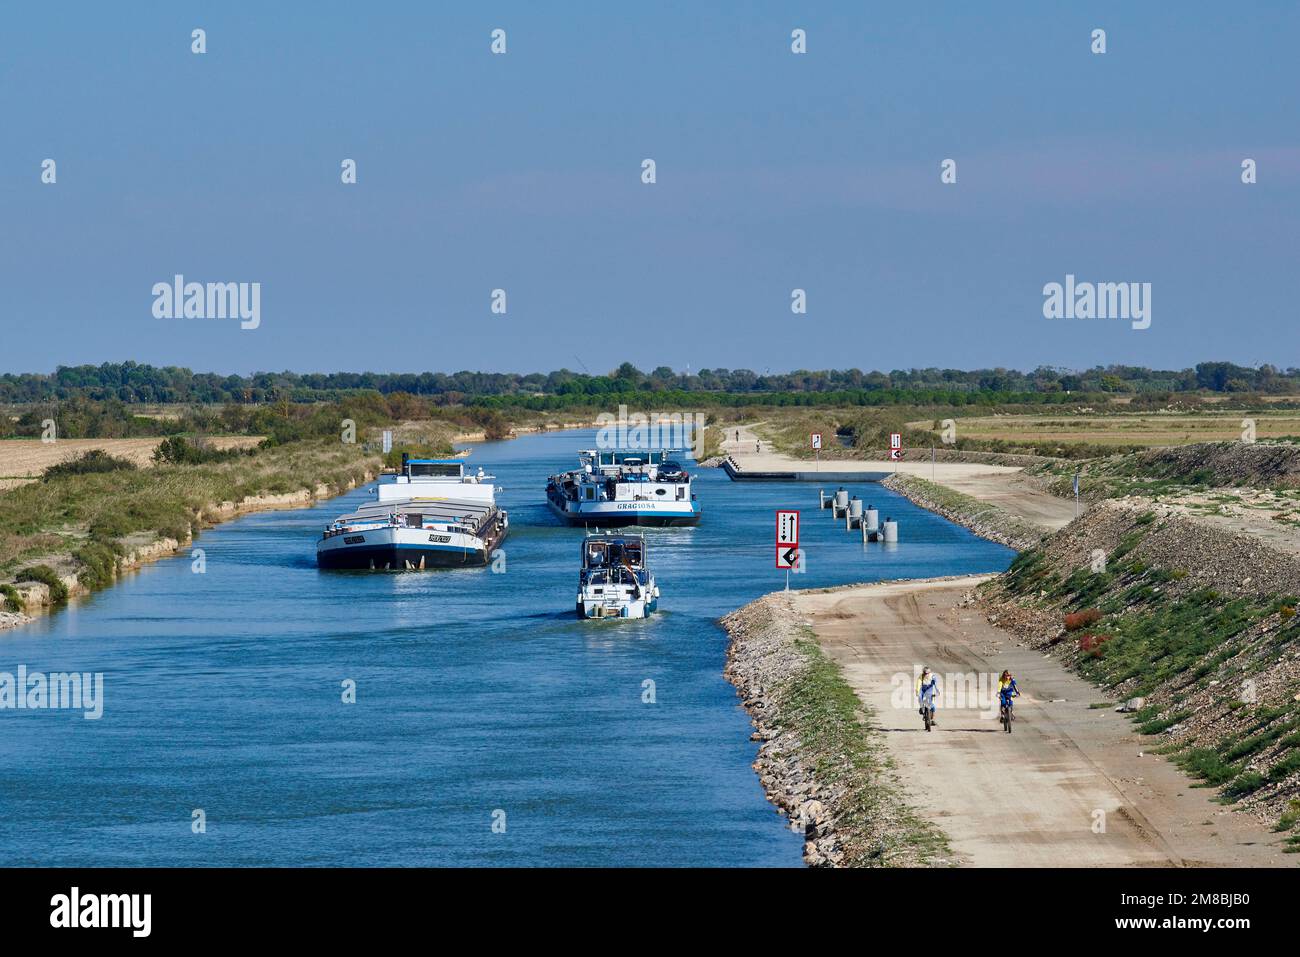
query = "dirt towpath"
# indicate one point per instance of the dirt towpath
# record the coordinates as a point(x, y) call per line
point(1036, 797)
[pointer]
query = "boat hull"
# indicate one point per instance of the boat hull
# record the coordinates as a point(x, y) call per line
point(597, 610)
point(625, 517)
point(589, 606)
point(400, 558)
point(401, 549)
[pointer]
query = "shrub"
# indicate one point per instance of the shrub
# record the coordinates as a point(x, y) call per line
point(1161, 725)
point(92, 461)
point(99, 564)
point(178, 450)
point(1289, 817)
point(12, 600)
point(1285, 768)
point(48, 577)
point(1091, 644)
point(1206, 764)
point(495, 426)
point(1081, 619)
point(177, 530)
point(393, 459)
point(1248, 782)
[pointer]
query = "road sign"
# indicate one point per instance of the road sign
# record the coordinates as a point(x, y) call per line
point(816, 441)
point(787, 527)
point(787, 537)
point(896, 454)
point(896, 445)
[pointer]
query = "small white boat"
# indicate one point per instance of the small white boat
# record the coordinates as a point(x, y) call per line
point(615, 581)
point(431, 515)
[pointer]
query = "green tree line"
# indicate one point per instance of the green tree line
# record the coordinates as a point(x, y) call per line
point(135, 383)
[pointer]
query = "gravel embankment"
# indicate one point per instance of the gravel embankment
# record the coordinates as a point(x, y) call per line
point(984, 519)
point(1230, 704)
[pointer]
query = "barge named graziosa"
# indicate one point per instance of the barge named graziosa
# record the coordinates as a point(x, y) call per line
point(622, 488)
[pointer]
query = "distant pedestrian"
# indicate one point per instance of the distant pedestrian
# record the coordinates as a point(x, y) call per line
point(758, 446)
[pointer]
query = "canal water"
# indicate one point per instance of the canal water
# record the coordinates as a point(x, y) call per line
point(480, 699)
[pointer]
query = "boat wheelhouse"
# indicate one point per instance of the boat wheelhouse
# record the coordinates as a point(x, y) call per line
point(615, 581)
point(430, 515)
point(624, 487)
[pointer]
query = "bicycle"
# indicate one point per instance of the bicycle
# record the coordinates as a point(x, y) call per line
point(1006, 716)
point(927, 715)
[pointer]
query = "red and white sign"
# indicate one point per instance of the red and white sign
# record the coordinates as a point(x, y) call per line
point(816, 441)
point(895, 445)
point(787, 538)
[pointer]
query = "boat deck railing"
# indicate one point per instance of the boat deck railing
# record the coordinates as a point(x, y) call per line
point(467, 518)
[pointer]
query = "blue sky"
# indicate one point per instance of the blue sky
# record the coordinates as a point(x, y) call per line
point(522, 172)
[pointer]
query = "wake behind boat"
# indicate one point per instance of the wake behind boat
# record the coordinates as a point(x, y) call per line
point(621, 488)
point(431, 515)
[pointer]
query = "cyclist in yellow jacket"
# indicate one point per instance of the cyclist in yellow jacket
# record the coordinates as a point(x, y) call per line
point(1007, 690)
point(927, 692)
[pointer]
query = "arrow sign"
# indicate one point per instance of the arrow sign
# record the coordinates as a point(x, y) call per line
point(787, 527)
point(787, 537)
point(896, 454)
point(816, 441)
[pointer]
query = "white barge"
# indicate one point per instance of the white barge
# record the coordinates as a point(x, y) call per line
point(615, 581)
point(431, 515)
point(623, 488)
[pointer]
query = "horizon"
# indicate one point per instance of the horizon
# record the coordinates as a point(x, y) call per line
point(775, 172)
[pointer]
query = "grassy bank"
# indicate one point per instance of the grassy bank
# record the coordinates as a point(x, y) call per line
point(843, 749)
point(1167, 472)
point(821, 761)
point(85, 524)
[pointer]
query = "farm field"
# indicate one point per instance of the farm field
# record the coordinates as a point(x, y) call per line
point(23, 460)
point(1124, 429)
